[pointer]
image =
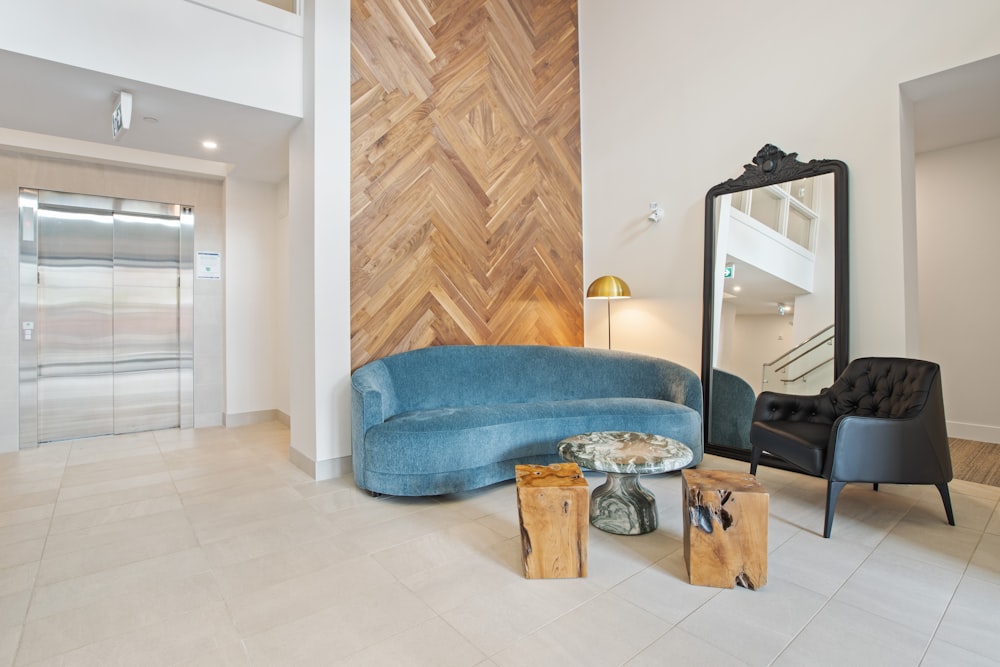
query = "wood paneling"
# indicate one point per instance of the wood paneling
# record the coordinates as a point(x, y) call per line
point(465, 184)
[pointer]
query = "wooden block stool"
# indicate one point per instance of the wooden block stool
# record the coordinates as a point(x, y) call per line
point(725, 529)
point(553, 504)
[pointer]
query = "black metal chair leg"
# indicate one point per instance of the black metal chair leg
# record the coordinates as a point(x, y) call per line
point(875, 486)
point(946, 497)
point(833, 490)
point(754, 459)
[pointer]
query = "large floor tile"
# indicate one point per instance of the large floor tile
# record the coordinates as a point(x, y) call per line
point(842, 634)
point(208, 547)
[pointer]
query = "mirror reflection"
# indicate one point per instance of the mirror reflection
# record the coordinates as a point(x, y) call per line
point(774, 319)
point(775, 289)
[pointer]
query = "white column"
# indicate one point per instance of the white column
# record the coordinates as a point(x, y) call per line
point(319, 248)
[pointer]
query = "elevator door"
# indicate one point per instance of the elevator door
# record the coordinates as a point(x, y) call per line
point(107, 318)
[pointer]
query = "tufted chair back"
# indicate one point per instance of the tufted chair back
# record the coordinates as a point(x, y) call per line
point(886, 387)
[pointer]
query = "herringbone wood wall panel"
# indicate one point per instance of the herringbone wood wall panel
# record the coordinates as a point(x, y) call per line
point(465, 184)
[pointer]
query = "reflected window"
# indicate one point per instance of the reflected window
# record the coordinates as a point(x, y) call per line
point(287, 5)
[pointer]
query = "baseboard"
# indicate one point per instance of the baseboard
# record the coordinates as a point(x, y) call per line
point(255, 417)
point(977, 432)
point(321, 470)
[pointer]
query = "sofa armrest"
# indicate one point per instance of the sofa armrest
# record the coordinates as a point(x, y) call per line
point(372, 402)
point(683, 386)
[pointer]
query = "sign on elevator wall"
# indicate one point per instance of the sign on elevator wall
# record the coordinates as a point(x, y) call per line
point(209, 266)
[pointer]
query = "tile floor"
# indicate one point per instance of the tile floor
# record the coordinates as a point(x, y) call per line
point(206, 547)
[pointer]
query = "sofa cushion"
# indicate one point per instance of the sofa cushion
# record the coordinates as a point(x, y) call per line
point(468, 437)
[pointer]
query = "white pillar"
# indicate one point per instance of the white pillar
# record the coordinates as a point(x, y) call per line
point(319, 248)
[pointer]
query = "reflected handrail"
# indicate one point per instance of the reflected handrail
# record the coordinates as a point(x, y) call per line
point(822, 337)
point(810, 371)
point(805, 342)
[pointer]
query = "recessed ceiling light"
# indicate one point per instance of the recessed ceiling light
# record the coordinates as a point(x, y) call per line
point(209, 144)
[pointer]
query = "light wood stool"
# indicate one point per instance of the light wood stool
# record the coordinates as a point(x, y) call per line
point(552, 507)
point(725, 529)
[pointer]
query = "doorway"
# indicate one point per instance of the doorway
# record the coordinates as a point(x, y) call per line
point(105, 306)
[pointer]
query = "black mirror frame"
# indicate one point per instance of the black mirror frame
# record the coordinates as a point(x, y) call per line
point(771, 166)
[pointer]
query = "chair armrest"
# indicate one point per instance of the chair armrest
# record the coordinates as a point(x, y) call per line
point(877, 449)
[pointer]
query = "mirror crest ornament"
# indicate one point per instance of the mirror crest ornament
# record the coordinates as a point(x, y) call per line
point(770, 169)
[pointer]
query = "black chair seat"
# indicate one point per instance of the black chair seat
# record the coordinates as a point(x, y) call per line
point(802, 444)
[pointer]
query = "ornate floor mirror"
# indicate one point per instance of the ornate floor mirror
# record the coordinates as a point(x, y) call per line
point(775, 290)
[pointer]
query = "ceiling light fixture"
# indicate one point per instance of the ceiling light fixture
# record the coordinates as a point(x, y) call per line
point(209, 144)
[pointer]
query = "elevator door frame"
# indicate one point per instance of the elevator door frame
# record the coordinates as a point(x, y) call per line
point(28, 205)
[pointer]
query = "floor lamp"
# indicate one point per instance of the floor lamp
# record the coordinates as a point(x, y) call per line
point(608, 288)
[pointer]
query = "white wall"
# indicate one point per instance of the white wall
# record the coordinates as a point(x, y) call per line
point(672, 104)
point(167, 43)
point(957, 237)
point(251, 298)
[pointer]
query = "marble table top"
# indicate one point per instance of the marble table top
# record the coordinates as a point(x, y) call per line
point(625, 452)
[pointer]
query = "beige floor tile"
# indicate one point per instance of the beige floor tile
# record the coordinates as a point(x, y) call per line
point(14, 607)
point(500, 618)
point(663, 589)
point(985, 563)
point(116, 582)
point(103, 509)
point(845, 635)
point(18, 553)
point(9, 639)
point(438, 549)
point(352, 620)
point(971, 621)
point(203, 636)
point(432, 643)
point(681, 648)
point(942, 654)
point(905, 590)
point(559, 641)
point(932, 541)
point(18, 578)
point(246, 576)
point(810, 561)
point(769, 619)
point(77, 562)
point(111, 617)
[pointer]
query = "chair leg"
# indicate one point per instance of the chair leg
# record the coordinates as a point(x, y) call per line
point(754, 459)
point(833, 490)
point(875, 486)
point(946, 497)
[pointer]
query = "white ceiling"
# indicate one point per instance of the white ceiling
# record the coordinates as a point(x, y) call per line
point(49, 98)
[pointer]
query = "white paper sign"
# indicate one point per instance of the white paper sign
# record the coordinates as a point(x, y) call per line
point(209, 266)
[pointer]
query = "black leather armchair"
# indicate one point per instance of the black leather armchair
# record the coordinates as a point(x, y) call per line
point(882, 420)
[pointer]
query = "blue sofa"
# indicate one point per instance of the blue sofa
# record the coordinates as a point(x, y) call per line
point(451, 418)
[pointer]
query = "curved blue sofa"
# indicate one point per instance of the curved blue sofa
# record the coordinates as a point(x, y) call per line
point(451, 418)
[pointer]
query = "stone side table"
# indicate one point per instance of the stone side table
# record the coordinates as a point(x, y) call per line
point(621, 505)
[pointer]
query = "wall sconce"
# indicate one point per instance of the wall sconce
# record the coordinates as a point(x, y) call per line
point(655, 212)
point(609, 287)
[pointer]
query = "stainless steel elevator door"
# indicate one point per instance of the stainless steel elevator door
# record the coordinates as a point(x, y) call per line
point(108, 338)
point(74, 324)
point(146, 345)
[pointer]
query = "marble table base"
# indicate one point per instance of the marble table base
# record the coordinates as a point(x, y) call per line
point(622, 506)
